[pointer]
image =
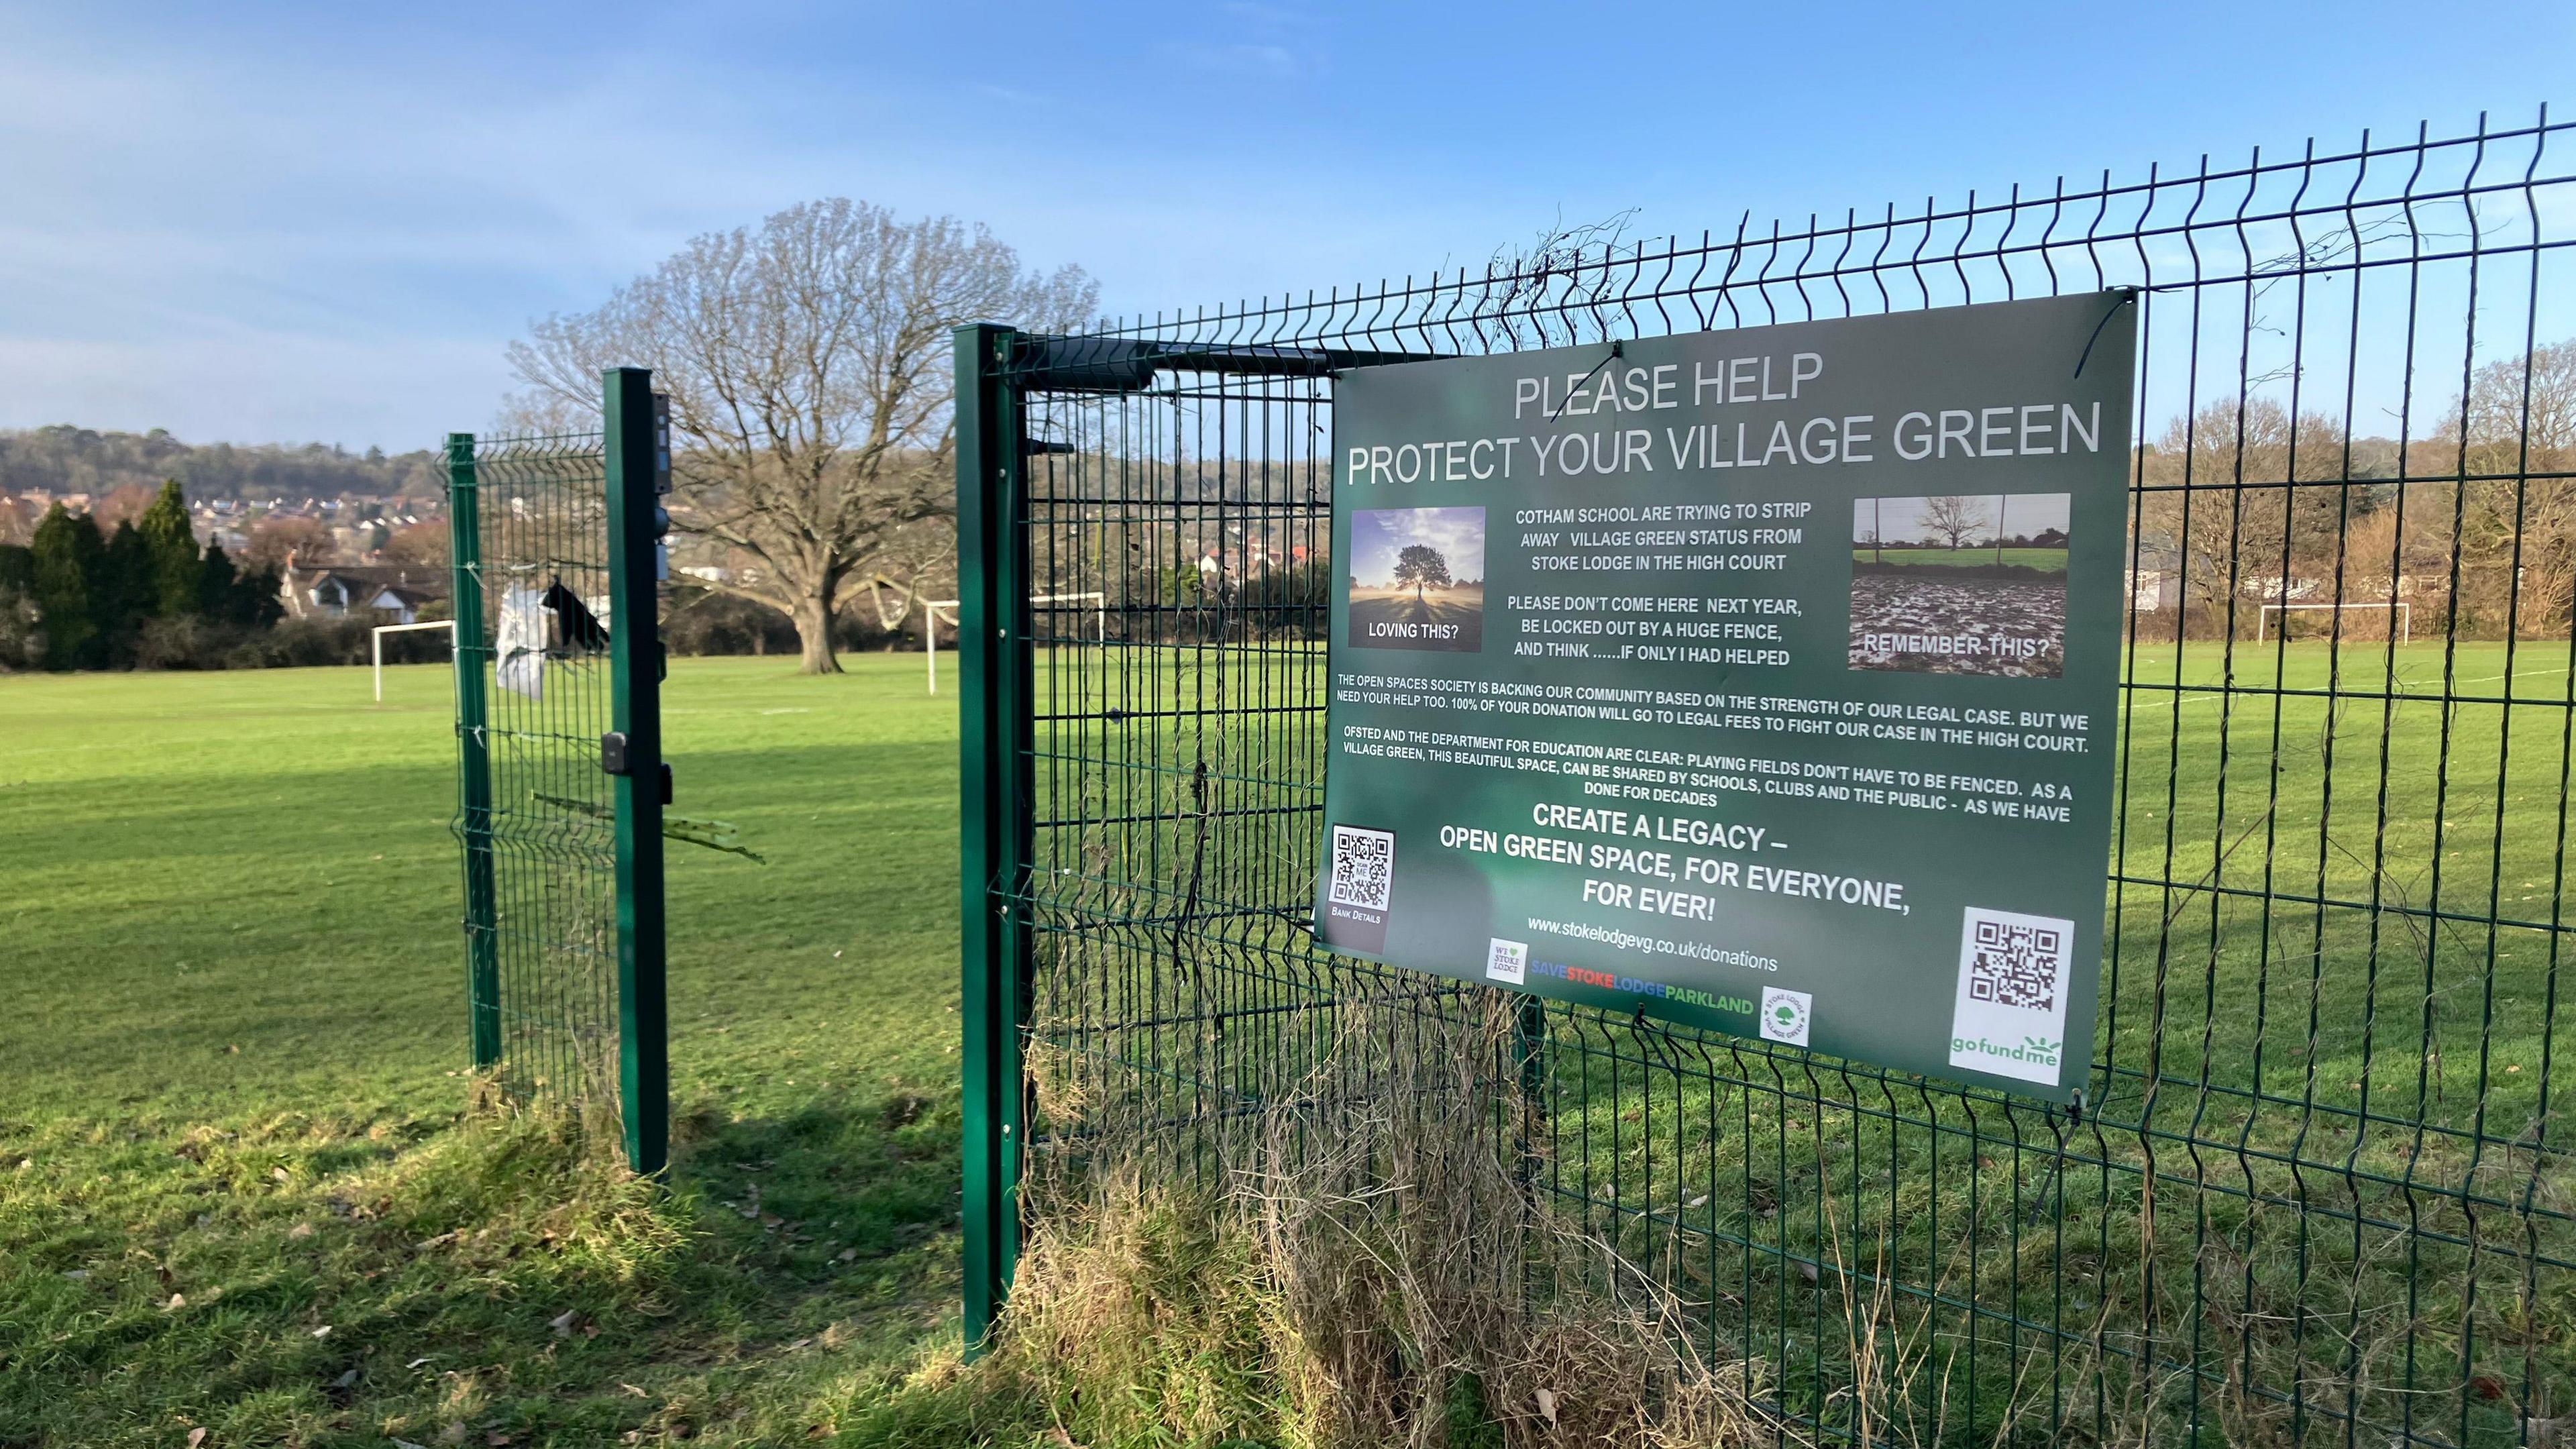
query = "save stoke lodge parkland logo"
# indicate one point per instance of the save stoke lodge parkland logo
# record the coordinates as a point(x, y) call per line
point(1786, 1015)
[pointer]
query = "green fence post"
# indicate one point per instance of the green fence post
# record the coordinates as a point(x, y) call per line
point(635, 719)
point(474, 754)
point(994, 741)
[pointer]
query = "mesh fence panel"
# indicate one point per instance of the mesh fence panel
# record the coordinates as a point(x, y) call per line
point(2318, 1192)
point(543, 954)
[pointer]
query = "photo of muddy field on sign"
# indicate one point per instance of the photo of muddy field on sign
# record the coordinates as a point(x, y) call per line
point(1417, 579)
point(1960, 584)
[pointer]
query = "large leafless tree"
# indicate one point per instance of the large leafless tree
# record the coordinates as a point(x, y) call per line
point(809, 364)
point(2514, 522)
point(1954, 517)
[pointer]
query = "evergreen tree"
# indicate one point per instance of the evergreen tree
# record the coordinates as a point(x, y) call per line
point(67, 555)
point(22, 631)
point(172, 545)
point(123, 592)
point(226, 595)
point(259, 599)
point(216, 580)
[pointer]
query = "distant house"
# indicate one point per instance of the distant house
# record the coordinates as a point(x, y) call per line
point(18, 518)
point(393, 594)
point(2280, 589)
point(2155, 577)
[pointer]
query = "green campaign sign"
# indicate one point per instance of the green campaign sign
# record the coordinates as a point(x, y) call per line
point(1762, 679)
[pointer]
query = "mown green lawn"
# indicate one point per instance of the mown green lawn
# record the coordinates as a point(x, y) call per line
point(233, 1116)
point(2046, 560)
point(239, 1188)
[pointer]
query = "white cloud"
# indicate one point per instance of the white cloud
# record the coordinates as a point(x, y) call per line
point(1379, 535)
point(1241, 58)
point(230, 244)
point(261, 188)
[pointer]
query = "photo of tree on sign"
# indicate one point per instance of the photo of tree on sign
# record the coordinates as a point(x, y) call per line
point(1960, 584)
point(1417, 579)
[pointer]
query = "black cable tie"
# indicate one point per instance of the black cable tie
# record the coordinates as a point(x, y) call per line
point(1618, 349)
point(2127, 296)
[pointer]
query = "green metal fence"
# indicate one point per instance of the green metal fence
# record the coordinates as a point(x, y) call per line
point(558, 666)
point(2319, 1194)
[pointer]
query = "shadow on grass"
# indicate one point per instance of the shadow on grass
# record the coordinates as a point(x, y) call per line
point(300, 1280)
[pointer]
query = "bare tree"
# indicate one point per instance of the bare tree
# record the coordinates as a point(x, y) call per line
point(2519, 401)
point(422, 544)
point(2514, 522)
point(276, 539)
point(1954, 517)
point(809, 365)
point(2225, 490)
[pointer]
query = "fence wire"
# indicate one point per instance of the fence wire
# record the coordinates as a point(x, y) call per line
point(542, 954)
point(2319, 1193)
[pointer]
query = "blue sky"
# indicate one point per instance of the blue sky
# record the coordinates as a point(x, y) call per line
point(1379, 535)
point(287, 221)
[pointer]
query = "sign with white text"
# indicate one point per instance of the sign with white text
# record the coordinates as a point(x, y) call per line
point(1764, 679)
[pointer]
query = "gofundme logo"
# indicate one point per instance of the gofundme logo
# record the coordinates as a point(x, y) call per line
point(2036, 1050)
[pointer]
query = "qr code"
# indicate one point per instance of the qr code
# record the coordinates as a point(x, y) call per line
point(1363, 867)
point(2015, 963)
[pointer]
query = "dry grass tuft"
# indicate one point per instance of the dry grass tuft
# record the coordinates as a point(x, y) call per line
point(1371, 1270)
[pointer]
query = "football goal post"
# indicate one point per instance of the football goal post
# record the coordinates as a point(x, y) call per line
point(930, 623)
point(376, 641)
point(2401, 616)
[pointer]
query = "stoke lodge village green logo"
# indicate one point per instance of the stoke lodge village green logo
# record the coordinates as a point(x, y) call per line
point(1786, 1015)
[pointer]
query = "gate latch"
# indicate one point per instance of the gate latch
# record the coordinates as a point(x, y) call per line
point(613, 760)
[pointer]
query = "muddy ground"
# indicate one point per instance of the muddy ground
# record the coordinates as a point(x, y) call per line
point(1994, 612)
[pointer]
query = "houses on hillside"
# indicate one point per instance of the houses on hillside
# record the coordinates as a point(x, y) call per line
point(358, 528)
point(398, 593)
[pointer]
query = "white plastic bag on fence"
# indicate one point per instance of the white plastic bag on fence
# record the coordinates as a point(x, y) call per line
point(519, 655)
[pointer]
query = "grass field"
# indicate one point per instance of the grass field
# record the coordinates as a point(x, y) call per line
point(237, 1191)
point(233, 1117)
point(2314, 1186)
point(2046, 560)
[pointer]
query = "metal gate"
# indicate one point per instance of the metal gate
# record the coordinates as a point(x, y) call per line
point(2319, 1193)
point(560, 781)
